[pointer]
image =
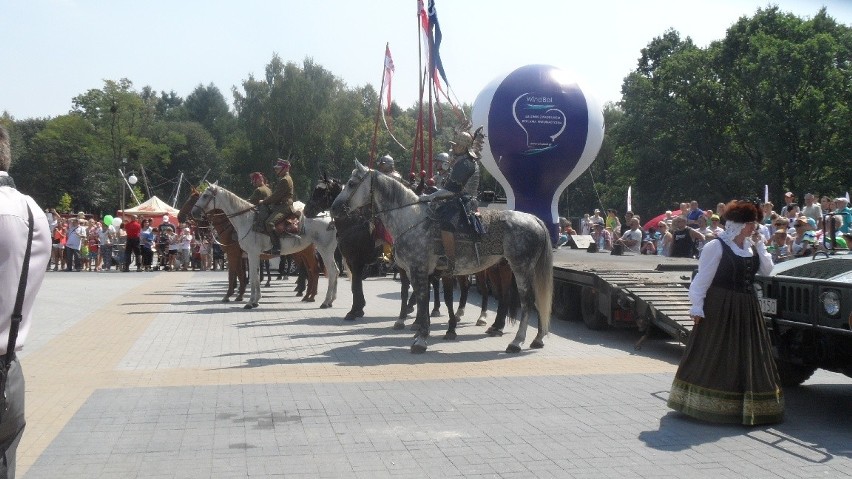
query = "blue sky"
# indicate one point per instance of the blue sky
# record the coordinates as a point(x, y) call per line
point(56, 49)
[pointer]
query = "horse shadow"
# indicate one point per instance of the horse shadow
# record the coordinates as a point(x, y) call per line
point(384, 347)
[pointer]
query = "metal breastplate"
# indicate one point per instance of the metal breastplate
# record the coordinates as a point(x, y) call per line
point(464, 177)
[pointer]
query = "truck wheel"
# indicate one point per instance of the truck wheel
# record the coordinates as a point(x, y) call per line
point(589, 306)
point(792, 375)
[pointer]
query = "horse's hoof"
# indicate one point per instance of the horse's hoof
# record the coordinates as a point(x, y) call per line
point(435, 313)
point(537, 344)
point(351, 317)
point(419, 345)
point(325, 306)
point(307, 300)
point(512, 349)
point(450, 336)
point(398, 325)
point(298, 293)
point(414, 327)
point(248, 306)
point(459, 314)
point(481, 322)
point(226, 300)
point(239, 299)
point(359, 313)
point(409, 310)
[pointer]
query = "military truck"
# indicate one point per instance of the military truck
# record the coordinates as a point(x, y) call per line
point(807, 303)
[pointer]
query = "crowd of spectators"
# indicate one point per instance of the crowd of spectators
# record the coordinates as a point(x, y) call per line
point(84, 243)
point(795, 230)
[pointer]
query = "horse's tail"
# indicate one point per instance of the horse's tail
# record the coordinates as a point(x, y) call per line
point(543, 282)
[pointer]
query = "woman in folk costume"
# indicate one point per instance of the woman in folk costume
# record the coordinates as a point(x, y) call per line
point(727, 373)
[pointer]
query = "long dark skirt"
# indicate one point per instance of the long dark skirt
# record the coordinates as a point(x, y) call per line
point(727, 373)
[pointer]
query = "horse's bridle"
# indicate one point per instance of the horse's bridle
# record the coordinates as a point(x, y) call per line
point(372, 213)
point(213, 194)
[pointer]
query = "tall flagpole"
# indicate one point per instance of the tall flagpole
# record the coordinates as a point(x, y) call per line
point(379, 110)
point(418, 143)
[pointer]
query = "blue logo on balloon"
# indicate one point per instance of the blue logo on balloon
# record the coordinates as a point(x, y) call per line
point(542, 131)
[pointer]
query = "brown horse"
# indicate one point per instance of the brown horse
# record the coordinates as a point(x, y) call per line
point(237, 268)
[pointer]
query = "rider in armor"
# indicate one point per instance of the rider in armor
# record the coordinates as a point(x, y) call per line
point(280, 202)
point(458, 194)
point(442, 169)
point(385, 164)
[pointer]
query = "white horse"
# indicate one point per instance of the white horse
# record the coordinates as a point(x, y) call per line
point(318, 231)
point(519, 237)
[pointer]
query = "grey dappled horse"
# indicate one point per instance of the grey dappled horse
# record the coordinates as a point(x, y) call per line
point(519, 237)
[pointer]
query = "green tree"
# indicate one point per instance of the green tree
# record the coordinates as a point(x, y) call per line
point(768, 104)
point(287, 114)
point(207, 106)
point(791, 80)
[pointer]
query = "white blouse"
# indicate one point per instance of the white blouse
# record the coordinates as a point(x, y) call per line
point(708, 263)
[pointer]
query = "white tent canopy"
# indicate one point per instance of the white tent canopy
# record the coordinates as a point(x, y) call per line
point(152, 207)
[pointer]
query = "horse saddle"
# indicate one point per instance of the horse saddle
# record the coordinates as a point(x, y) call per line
point(488, 243)
point(289, 224)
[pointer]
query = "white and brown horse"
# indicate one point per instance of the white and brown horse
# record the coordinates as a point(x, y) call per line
point(317, 231)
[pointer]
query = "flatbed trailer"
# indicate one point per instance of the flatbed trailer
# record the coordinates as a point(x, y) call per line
point(626, 291)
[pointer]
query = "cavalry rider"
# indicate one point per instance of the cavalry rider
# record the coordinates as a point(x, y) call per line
point(442, 169)
point(261, 189)
point(280, 202)
point(385, 164)
point(458, 194)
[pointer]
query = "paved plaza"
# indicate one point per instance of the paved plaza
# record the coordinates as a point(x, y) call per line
point(150, 375)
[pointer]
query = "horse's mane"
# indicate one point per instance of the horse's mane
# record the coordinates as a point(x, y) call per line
point(397, 188)
point(233, 197)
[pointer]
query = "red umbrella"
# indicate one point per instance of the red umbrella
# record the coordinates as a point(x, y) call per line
point(656, 220)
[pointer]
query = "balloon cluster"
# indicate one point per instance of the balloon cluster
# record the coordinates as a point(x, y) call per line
point(110, 221)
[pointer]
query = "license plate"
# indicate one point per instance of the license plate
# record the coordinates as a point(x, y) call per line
point(769, 305)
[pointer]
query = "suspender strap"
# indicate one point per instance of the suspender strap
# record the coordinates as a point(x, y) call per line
point(19, 301)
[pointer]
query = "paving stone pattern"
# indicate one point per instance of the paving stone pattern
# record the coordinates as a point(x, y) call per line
point(178, 385)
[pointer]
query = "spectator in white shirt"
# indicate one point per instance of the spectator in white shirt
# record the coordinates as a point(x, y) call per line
point(16, 212)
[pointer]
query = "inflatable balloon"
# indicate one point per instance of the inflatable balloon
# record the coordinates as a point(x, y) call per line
point(116, 222)
point(108, 220)
point(542, 131)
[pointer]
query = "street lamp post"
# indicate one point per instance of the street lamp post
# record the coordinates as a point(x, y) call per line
point(123, 180)
point(126, 182)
